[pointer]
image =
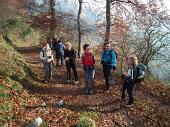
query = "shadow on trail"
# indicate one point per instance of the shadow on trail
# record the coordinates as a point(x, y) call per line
point(107, 107)
point(64, 91)
point(102, 108)
point(28, 50)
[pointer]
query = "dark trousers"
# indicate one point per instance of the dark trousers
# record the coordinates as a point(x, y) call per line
point(59, 57)
point(129, 86)
point(72, 65)
point(47, 71)
point(107, 74)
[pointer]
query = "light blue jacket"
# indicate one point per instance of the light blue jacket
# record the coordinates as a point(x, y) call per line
point(109, 58)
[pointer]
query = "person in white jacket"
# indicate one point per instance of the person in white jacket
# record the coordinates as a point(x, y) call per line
point(46, 57)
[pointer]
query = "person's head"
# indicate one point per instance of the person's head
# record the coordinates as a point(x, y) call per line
point(68, 46)
point(45, 45)
point(107, 46)
point(133, 61)
point(55, 36)
point(86, 47)
point(51, 40)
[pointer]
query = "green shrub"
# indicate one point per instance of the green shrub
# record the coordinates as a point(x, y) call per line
point(86, 120)
point(26, 32)
point(11, 23)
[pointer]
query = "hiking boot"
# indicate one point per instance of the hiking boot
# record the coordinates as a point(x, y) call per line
point(106, 88)
point(68, 81)
point(129, 105)
point(86, 91)
point(107, 91)
point(122, 102)
point(76, 82)
point(91, 91)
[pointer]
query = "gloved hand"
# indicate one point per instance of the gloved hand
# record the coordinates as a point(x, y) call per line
point(85, 67)
point(102, 62)
point(114, 67)
point(91, 67)
point(67, 58)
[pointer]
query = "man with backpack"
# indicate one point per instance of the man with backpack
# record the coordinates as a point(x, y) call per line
point(47, 59)
point(108, 61)
point(59, 50)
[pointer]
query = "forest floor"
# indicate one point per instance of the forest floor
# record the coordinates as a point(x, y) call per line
point(151, 105)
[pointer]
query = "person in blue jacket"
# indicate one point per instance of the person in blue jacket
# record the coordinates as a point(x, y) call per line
point(108, 61)
point(59, 49)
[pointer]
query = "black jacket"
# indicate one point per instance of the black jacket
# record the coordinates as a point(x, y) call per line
point(71, 54)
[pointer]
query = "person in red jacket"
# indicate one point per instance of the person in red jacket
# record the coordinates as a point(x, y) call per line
point(88, 62)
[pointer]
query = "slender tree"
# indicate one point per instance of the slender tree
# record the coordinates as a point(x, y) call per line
point(52, 16)
point(107, 34)
point(79, 27)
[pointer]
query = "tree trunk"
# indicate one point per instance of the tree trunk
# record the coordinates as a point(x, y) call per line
point(79, 27)
point(52, 16)
point(107, 34)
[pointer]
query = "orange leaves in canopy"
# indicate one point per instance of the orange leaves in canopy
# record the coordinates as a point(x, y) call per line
point(120, 27)
point(44, 21)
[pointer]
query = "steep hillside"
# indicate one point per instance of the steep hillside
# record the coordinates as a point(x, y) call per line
point(14, 74)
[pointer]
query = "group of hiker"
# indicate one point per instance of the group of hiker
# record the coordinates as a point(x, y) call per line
point(66, 53)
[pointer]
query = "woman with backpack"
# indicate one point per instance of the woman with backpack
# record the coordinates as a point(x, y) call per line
point(70, 60)
point(129, 80)
point(88, 62)
point(108, 61)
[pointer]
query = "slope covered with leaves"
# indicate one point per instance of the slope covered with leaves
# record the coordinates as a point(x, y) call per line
point(14, 72)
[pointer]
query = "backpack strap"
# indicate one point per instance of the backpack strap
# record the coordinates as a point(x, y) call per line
point(114, 52)
point(92, 57)
point(42, 50)
point(82, 57)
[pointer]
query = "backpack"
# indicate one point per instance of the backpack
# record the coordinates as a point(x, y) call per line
point(141, 68)
point(114, 52)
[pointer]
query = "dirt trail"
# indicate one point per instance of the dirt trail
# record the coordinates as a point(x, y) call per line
point(106, 105)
